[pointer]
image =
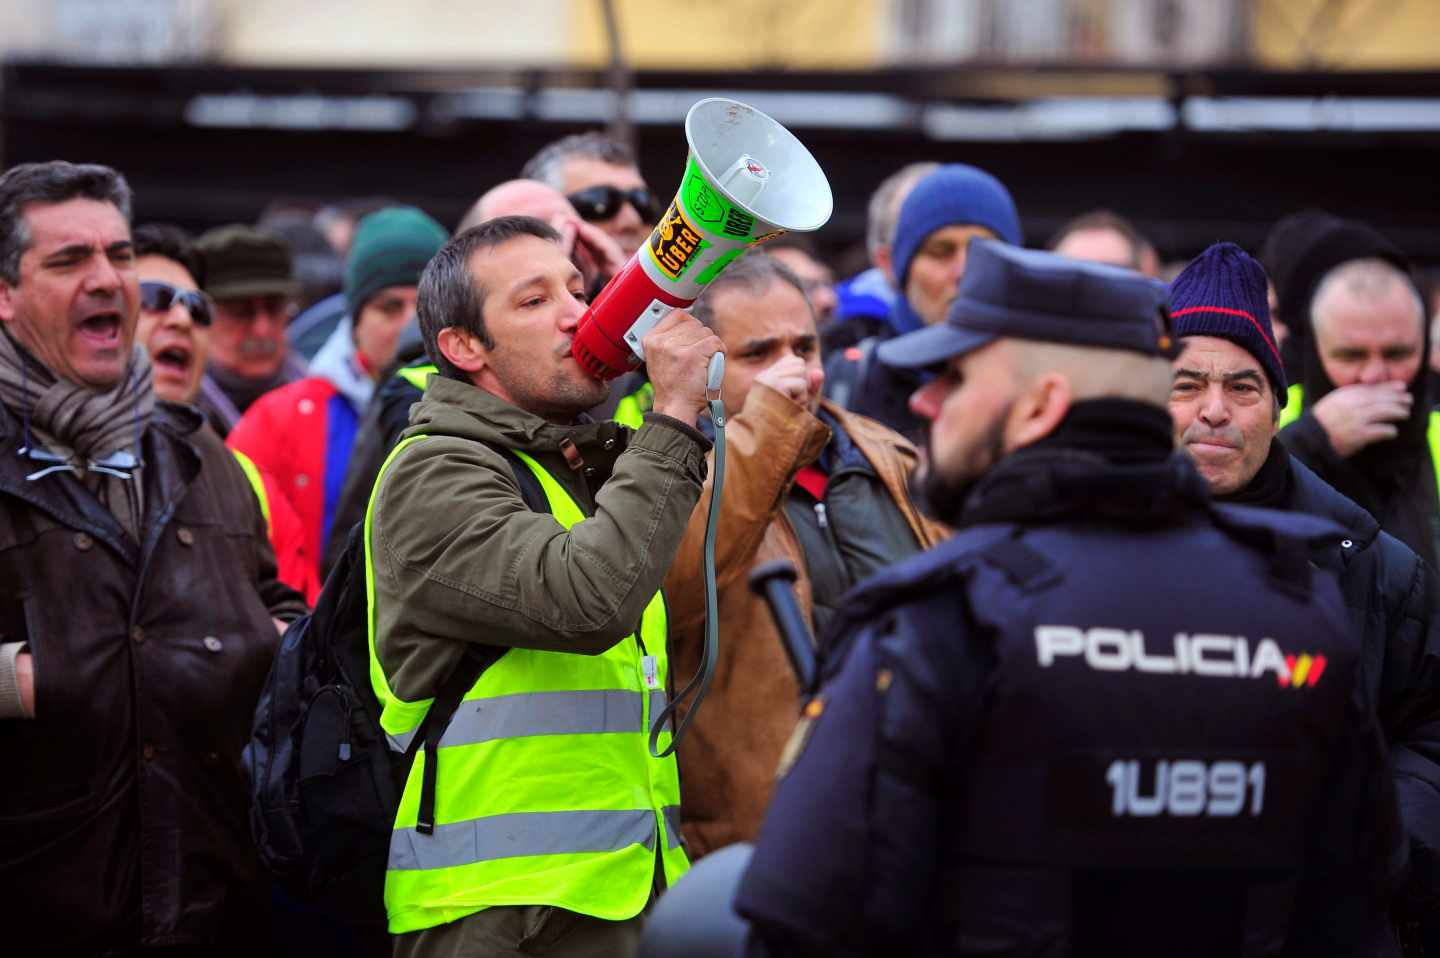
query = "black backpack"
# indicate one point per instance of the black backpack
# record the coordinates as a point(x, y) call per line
point(324, 782)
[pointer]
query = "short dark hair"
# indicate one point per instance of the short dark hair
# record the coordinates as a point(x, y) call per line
point(1105, 220)
point(754, 272)
point(52, 182)
point(171, 242)
point(449, 295)
point(545, 165)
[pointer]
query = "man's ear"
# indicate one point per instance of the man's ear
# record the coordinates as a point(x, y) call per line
point(463, 349)
point(1040, 408)
point(885, 261)
point(7, 302)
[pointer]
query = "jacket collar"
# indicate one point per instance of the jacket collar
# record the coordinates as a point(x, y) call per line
point(453, 408)
point(171, 464)
point(1058, 482)
point(1311, 494)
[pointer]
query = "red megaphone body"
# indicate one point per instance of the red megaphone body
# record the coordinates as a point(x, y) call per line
point(601, 346)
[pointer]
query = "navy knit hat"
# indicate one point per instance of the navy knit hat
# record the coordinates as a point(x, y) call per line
point(1222, 293)
point(391, 248)
point(955, 194)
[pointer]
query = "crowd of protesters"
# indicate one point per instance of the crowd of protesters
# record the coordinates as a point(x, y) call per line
point(192, 427)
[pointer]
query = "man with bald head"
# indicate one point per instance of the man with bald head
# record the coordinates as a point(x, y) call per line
point(594, 252)
point(1364, 418)
point(1101, 236)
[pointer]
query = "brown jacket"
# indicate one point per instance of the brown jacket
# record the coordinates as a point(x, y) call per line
point(123, 820)
point(728, 760)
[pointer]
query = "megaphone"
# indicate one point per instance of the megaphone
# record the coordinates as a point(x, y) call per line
point(747, 180)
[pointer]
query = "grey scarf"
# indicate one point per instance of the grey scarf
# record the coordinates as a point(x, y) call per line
point(82, 425)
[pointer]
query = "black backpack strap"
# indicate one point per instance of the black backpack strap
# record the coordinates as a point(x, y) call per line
point(530, 489)
point(467, 671)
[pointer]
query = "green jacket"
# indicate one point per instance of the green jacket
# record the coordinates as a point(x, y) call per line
point(459, 557)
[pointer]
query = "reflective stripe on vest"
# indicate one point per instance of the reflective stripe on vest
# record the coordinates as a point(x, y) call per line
point(417, 376)
point(631, 409)
point(546, 793)
point(1295, 405)
point(257, 482)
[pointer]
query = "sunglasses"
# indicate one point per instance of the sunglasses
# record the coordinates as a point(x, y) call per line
point(603, 202)
point(161, 296)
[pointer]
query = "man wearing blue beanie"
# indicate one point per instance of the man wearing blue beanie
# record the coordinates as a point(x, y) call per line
point(1225, 403)
point(943, 213)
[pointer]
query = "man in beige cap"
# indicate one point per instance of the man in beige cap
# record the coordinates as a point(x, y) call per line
point(250, 276)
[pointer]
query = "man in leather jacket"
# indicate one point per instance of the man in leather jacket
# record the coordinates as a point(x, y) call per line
point(138, 606)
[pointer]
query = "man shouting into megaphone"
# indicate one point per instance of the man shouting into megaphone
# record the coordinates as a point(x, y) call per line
point(553, 825)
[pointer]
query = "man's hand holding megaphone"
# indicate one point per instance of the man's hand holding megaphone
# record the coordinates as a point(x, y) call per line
point(677, 357)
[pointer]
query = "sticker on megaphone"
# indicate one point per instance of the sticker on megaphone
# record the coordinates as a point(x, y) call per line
point(747, 180)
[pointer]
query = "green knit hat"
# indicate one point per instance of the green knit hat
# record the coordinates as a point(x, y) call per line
point(391, 248)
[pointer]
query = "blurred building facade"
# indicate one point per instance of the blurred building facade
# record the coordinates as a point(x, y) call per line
point(729, 36)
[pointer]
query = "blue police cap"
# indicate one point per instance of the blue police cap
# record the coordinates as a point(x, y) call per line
point(1013, 293)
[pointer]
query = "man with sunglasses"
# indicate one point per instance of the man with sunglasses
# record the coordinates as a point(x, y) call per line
point(174, 328)
point(250, 276)
point(137, 592)
point(600, 178)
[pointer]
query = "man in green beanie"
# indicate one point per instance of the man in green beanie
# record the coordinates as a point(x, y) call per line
point(303, 433)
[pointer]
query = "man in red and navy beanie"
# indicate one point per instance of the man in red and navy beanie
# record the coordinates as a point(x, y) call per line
point(1225, 406)
point(1222, 294)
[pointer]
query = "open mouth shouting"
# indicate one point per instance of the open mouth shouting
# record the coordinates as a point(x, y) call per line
point(174, 363)
point(102, 330)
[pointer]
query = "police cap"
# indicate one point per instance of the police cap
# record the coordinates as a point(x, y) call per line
point(1013, 293)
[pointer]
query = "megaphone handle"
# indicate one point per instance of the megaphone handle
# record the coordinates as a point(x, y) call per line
point(714, 378)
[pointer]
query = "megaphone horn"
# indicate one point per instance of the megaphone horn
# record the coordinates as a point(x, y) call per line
point(747, 180)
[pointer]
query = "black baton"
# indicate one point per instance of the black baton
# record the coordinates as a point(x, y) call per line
point(774, 581)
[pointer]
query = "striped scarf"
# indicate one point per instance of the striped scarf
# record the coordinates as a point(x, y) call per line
point(86, 423)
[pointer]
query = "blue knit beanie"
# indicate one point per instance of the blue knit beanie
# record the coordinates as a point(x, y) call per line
point(955, 194)
point(1222, 293)
point(391, 248)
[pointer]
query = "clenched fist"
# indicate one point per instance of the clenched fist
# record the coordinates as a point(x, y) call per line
point(793, 377)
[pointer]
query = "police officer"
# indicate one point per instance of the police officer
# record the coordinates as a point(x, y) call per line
point(1108, 717)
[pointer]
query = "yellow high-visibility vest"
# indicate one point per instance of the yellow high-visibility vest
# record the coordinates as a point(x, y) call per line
point(257, 482)
point(546, 792)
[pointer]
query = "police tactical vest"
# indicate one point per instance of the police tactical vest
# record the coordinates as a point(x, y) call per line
point(1160, 732)
point(546, 791)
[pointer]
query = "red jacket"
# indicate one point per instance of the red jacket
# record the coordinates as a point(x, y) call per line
point(302, 435)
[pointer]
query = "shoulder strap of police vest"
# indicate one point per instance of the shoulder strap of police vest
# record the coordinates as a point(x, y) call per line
point(1022, 565)
point(465, 673)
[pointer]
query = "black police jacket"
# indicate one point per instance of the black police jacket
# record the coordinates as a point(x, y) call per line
point(1107, 718)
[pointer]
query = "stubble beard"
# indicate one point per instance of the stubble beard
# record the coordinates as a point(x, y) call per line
point(942, 494)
